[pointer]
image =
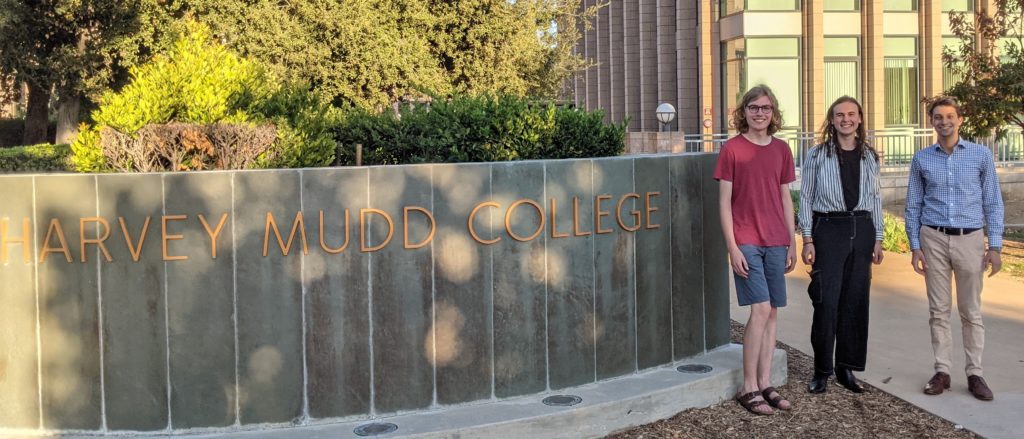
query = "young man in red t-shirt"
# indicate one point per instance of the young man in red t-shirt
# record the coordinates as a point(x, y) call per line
point(754, 171)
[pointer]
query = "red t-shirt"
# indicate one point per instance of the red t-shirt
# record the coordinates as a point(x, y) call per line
point(757, 173)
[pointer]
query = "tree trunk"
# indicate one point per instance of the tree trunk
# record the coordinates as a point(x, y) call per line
point(67, 118)
point(37, 117)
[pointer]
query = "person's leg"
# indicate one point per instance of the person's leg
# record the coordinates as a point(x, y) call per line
point(753, 291)
point(774, 273)
point(831, 248)
point(938, 281)
point(852, 324)
point(966, 253)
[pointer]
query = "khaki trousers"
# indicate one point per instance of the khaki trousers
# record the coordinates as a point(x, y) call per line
point(960, 258)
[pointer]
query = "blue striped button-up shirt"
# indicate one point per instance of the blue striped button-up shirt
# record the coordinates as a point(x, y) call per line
point(954, 190)
point(821, 188)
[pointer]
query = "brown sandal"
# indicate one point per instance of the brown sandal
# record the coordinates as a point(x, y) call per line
point(747, 401)
point(774, 402)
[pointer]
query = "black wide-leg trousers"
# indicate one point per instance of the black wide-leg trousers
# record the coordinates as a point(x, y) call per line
point(839, 291)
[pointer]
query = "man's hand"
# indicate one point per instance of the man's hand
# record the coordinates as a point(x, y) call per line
point(918, 262)
point(738, 262)
point(808, 254)
point(876, 253)
point(790, 258)
point(992, 258)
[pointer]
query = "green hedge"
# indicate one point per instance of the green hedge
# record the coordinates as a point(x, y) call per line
point(35, 158)
point(199, 81)
point(477, 129)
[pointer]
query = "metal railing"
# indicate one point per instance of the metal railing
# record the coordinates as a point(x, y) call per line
point(896, 145)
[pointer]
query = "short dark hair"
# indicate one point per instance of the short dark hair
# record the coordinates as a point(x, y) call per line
point(943, 101)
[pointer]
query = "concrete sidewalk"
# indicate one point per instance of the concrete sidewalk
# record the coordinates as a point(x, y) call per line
point(899, 348)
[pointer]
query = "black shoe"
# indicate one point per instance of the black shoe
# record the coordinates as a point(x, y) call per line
point(819, 383)
point(846, 379)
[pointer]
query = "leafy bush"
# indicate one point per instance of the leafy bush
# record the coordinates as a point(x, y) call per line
point(35, 158)
point(185, 147)
point(202, 83)
point(477, 129)
point(895, 235)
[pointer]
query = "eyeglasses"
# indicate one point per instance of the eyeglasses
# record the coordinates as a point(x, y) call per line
point(759, 109)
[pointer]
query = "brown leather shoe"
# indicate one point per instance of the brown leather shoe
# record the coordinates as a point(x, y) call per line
point(938, 383)
point(976, 385)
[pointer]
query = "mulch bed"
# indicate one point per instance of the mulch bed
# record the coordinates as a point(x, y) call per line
point(836, 414)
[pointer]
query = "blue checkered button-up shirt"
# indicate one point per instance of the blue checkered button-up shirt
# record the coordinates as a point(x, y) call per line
point(954, 190)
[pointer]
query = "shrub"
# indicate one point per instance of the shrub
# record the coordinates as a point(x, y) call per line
point(185, 147)
point(200, 82)
point(35, 158)
point(477, 129)
point(895, 235)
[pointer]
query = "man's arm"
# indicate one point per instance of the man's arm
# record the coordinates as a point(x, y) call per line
point(992, 205)
point(912, 215)
point(736, 258)
point(915, 203)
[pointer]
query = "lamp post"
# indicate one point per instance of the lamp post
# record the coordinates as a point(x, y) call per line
point(665, 113)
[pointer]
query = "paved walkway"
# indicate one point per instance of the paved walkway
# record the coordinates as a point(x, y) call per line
point(899, 348)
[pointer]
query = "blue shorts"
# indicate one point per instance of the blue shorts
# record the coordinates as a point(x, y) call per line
point(766, 276)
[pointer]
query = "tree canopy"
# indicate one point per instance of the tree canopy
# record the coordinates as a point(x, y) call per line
point(990, 60)
point(373, 53)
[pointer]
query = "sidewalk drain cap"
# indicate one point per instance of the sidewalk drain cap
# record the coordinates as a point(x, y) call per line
point(562, 400)
point(694, 368)
point(375, 429)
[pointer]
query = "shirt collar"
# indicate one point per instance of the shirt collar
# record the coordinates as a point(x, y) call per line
point(960, 144)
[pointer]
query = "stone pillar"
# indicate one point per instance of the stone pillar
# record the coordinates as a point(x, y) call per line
point(813, 18)
point(930, 23)
point(872, 68)
point(706, 47)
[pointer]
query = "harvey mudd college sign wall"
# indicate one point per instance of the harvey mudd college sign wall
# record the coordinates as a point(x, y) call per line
point(155, 302)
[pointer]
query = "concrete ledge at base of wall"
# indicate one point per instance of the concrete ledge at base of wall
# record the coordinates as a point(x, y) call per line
point(607, 407)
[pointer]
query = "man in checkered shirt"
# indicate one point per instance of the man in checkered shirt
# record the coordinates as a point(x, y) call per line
point(952, 195)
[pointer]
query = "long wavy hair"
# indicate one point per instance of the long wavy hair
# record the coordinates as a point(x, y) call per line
point(829, 134)
point(739, 117)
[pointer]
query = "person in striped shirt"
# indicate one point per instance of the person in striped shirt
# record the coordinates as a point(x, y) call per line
point(952, 194)
point(841, 222)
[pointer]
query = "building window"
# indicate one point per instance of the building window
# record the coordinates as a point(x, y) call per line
point(842, 5)
point(733, 6)
point(842, 72)
point(950, 77)
point(774, 62)
point(900, 5)
point(901, 81)
point(957, 5)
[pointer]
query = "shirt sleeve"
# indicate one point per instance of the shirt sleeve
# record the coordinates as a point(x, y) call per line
point(877, 216)
point(808, 181)
point(725, 166)
point(915, 200)
point(788, 167)
point(992, 202)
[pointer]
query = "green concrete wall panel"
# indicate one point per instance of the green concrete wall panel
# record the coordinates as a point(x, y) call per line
point(269, 297)
point(615, 283)
point(402, 290)
point(200, 299)
point(570, 273)
point(463, 279)
point(716, 261)
point(520, 354)
point(134, 324)
point(687, 253)
point(337, 319)
point(19, 382)
point(653, 262)
point(68, 305)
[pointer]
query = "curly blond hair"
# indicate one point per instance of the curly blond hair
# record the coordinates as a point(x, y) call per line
point(739, 117)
